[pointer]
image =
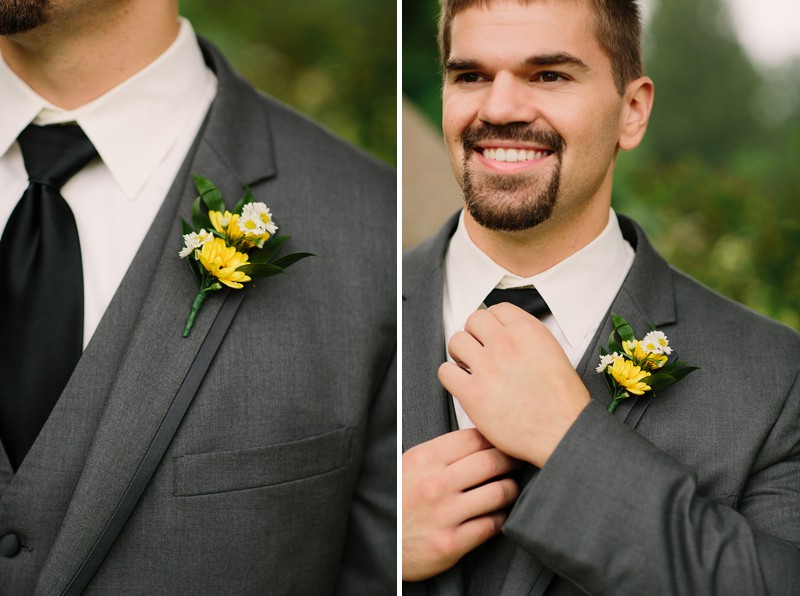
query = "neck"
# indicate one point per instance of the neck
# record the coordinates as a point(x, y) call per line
point(530, 252)
point(79, 55)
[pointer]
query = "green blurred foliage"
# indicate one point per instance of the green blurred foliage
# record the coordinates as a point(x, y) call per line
point(716, 182)
point(334, 60)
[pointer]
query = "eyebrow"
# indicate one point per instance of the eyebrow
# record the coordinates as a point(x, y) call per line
point(555, 59)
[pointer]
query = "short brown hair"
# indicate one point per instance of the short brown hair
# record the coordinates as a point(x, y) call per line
point(618, 28)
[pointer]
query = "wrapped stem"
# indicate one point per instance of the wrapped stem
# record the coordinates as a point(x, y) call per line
point(198, 302)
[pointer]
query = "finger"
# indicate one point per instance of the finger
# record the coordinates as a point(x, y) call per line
point(454, 446)
point(482, 325)
point(476, 468)
point(487, 498)
point(510, 314)
point(464, 348)
point(474, 532)
point(454, 378)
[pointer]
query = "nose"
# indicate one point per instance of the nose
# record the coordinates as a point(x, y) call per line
point(508, 99)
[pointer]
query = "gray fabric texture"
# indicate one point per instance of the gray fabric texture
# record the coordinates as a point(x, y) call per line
point(281, 478)
point(703, 497)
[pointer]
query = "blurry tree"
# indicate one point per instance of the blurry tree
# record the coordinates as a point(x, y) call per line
point(716, 183)
point(422, 75)
point(705, 84)
point(334, 60)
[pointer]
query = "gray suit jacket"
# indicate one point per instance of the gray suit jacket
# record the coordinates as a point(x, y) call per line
point(281, 477)
point(702, 498)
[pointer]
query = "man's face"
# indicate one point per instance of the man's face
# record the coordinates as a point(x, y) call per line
point(531, 113)
point(19, 16)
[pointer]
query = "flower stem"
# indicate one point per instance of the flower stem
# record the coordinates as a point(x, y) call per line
point(613, 405)
point(198, 302)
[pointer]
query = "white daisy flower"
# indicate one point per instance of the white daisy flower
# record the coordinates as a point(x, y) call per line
point(606, 361)
point(656, 342)
point(258, 213)
point(193, 242)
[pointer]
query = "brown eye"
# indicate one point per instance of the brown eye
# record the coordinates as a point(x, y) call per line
point(550, 77)
point(468, 77)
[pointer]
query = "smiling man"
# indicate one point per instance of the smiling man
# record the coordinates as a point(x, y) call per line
point(695, 490)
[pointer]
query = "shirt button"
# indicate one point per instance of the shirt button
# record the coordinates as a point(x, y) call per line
point(9, 545)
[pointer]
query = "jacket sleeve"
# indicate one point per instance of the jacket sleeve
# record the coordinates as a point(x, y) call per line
point(613, 514)
point(369, 564)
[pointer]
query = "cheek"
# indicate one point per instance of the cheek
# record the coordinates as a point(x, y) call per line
point(455, 119)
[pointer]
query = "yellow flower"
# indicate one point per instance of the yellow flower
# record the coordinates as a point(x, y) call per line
point(642, 356)
point(226, 223)
point(629, 376)
point(635, 350)
point(655, 361)
point(222, 261)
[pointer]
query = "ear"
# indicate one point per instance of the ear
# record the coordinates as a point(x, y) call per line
point(638, 102)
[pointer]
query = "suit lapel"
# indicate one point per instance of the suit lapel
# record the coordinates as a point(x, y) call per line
point(157, 357)
point(426, 407)
point(646, 298)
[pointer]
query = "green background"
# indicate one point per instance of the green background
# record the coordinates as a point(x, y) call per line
point(334, 60)
point(716, 183)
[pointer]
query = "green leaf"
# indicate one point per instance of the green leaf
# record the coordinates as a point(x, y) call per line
point(265, 254)
point(247, 198)
point(682, 372)
point(289, 260)
point(200, 219)
point(613, 346)
point(658, 381)
point(622, 327)
point(210, 194)
point(260, 269)
point(196, 267)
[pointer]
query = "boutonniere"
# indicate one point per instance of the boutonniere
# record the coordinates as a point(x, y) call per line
point(230, 248)
point(634, 367)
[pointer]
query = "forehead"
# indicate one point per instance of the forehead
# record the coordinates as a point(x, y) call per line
point(505, 29)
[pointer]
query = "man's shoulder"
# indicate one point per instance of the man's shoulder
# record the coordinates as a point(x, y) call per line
point(302, 140)
point(297, 144)
point(733, 327)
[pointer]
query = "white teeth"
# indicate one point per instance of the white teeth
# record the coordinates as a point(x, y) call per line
point(513, 155)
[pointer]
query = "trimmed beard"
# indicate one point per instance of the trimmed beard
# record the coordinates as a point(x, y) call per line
point(19, 16)
point(507, 202)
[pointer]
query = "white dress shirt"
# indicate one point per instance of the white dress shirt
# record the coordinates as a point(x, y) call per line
point(142, 130)
point(579, 290)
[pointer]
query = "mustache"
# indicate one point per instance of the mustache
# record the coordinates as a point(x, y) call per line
point(515, 131)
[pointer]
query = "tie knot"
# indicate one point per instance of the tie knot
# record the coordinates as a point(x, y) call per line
point(528, 299)
point(54, 154)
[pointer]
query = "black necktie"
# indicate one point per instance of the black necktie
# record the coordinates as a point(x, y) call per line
point(528, 299)
point(41, 300)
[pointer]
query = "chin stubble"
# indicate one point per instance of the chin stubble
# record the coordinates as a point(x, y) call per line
point(510, 203)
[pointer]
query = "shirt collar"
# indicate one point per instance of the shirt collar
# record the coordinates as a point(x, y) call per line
point(133, 125)
point(596, 271)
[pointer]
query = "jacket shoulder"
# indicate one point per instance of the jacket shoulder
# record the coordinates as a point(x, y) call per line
point(733, 326)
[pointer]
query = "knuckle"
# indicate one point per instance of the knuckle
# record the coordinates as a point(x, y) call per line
point(473, 439)
point(443, 545)
point(490, 526)
point(429, 489)
point(492, 464)
point(417, 458)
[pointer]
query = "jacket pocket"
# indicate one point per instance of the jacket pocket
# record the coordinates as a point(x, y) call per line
point(225, 471)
